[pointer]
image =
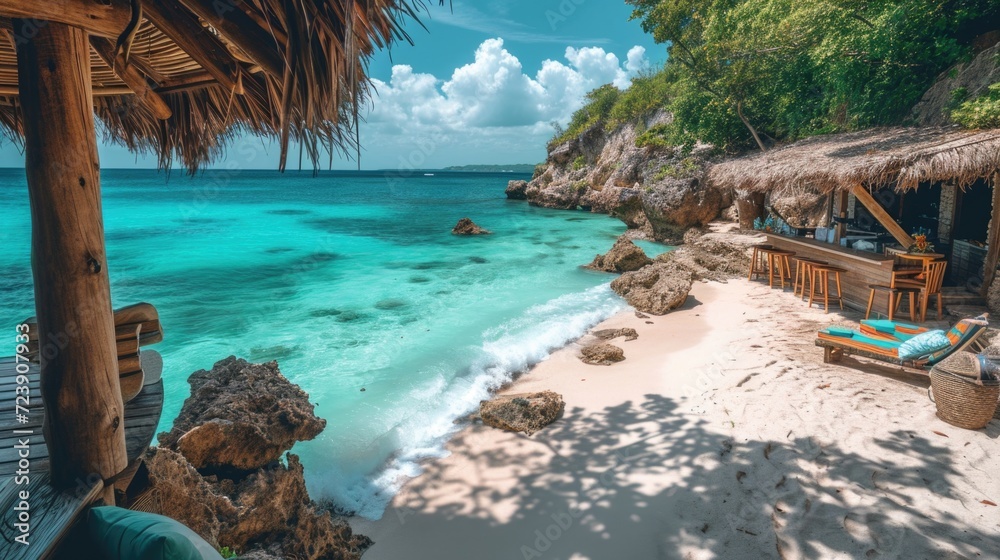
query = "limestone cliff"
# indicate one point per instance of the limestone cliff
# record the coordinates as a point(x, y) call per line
point(659, 191)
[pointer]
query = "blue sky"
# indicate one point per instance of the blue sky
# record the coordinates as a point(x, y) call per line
point(482, 85)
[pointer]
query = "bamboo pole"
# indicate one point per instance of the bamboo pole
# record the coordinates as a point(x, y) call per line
point(83, 403)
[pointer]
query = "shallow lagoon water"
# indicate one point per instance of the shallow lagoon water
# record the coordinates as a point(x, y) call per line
point(351, 281)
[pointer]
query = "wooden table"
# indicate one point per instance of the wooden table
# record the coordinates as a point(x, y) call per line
point(924, 258)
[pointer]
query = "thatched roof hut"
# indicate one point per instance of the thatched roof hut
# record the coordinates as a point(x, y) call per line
point(903, 157)
point(177, 78)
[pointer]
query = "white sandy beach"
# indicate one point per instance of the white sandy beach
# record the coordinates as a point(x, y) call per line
point(722, 435)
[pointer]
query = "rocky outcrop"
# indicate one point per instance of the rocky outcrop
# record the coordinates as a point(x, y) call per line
point(465, 226)
point(964, 81)
point(526, 413)
point(268, 510)
point(602, 354)
point(660, 191)
point(241, 416)
point(656, 289)
point(611, 334)
point(664, 285)
point(623, 256)
point(263, 512)
point(676, 205)
point(716, 256)
point(517, 190)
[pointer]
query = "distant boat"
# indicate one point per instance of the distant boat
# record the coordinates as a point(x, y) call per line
point(428, 174)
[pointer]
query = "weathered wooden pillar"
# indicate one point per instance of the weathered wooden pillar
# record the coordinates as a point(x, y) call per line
point(749, 207)
point(84, 427)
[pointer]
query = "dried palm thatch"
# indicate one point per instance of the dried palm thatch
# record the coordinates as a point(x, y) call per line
point(190, 75)
point(902, 157)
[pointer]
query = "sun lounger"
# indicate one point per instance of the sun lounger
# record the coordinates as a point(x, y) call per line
point(880, 340)
point(893, 330)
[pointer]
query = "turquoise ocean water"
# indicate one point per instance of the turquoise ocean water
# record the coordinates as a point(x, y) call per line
point(349, 281)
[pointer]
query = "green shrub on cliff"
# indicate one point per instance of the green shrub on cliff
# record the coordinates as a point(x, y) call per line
point(598, 106)
point(981, 112)
point(744, 73)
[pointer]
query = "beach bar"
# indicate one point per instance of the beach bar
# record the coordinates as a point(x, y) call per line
point(882, 186)
point(175, 78)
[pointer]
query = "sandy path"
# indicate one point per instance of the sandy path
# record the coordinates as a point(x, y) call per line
point(718, 437)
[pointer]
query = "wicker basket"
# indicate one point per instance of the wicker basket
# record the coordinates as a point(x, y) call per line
point(961, 402)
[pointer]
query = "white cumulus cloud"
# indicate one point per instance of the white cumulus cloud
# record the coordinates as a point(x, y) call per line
point(491, 104)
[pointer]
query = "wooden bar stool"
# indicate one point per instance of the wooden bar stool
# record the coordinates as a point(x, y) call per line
point(757, 261)
point(821, 281)
point(777, 262)
point(803, 274)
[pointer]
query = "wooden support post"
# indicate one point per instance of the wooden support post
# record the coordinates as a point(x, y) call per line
point(84, 429)
point(840, 231)
point(993, 238)
point(134, 79)
point(883, 217)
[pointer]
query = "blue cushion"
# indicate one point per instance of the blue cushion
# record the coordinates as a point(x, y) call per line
point(135, 535)
point(924, 344)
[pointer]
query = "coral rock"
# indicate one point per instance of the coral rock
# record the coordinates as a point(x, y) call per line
point(623, 257)
point(602, 354)
point(241, 416)
point(526, 413)
point(465, 226)
point(657, 289)
point(610, 334)
point(517, 190)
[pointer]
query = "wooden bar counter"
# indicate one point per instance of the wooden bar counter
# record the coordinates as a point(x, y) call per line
point(863, 267)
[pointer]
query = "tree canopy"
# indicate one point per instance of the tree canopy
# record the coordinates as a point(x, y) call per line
point(743, 73)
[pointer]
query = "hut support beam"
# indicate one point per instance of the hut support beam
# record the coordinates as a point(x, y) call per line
point(993, 238)
point(80, 388)
point(106, 18)
point(241, 30)
point(883, 217)
point(136, 82)
point(170, 17)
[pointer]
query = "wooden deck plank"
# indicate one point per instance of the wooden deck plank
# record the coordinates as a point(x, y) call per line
point(52, 512)
point(51, 515)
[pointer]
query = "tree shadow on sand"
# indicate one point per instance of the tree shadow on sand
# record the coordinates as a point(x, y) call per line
point(642, 480)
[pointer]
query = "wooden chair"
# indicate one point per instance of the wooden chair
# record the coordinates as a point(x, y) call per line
point(933, 280)
point(901, 283)
point(135, 325)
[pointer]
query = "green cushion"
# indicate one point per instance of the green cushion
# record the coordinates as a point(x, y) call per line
point(840, 331)
point(123, 534)
point(924, 344)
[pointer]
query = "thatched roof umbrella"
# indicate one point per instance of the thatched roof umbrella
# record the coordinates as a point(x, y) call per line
point(176, 78)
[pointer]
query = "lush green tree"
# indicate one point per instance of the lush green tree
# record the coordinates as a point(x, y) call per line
point(743, 72)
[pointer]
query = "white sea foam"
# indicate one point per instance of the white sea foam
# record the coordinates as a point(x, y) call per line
point(432, 408)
